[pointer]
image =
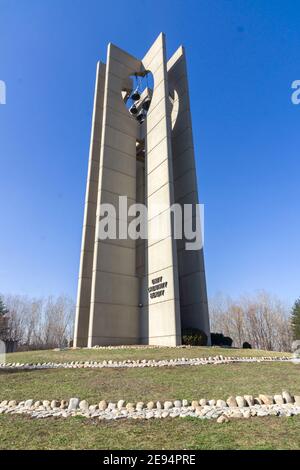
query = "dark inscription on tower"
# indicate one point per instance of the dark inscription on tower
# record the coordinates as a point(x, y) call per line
point(157, 288)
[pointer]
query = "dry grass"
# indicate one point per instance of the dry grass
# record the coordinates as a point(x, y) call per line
point(190, 382)
point(18, 432)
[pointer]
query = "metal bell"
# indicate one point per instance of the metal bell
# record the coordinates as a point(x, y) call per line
point(146, 104)
point(140, 117)
point(133, 109)
point(135, 95)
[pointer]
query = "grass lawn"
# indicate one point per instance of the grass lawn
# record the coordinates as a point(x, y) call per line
point(132, 353)
point(191, 382)
point(19, 432)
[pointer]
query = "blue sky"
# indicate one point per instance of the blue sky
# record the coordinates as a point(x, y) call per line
point(242, 55)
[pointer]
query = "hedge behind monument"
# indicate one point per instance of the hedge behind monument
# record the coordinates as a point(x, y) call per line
point(218, 339)
point(194, 337)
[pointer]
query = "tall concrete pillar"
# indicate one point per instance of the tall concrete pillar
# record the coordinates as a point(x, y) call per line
point(163, 311)
point(114, 294)
point(192, 282)
point(89, 224)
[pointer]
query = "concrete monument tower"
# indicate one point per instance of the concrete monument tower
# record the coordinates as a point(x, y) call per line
point(140, 291)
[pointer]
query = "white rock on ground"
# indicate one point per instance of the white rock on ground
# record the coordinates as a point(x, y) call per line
point(240, 401)
point(28, 403)
point(120, 404)
point(222, 419)
point(287, 397)
point(73, 403)
point(266, 399)
point(278, 399)
point(297, 400)
point(221, 403)
point(102, 405)
point(231, 402)
point(249, 400)
point(177, 403)
point(83, 405)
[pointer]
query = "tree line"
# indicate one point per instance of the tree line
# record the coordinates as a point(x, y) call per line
point(260, 319)
point(37, 323)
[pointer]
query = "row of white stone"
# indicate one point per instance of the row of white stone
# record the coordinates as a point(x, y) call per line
point(234, 407)
point(130, 363)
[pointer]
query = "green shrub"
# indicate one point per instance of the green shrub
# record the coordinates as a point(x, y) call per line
point(194, 337)
point(218, 339)
point(227, 341)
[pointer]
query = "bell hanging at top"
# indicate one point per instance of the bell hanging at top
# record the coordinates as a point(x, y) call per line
point(133, 109)
point(135, 95)
point(146, 104)
point(140, 117)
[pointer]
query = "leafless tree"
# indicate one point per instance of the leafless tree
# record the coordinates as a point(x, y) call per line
point(260, 319)
point(40, 323)
point(58, 315)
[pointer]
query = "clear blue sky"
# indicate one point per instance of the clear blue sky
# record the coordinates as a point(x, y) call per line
point(243, 56)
